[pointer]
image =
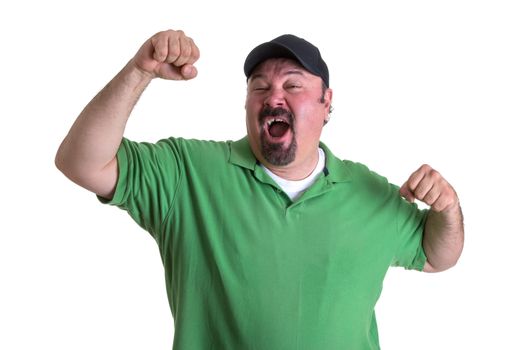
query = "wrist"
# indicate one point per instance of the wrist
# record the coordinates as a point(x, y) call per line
point(136, 75)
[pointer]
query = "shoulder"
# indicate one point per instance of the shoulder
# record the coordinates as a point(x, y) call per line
point(179, 146)
point(361, 171)
point(196, 146)
point(173, 152)
point(192, 155)
point(365, 181)
point(348, 171)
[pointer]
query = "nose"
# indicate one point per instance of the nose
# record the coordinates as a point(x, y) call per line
point(275, 98)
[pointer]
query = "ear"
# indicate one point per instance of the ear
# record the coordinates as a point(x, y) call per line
point(327, 100)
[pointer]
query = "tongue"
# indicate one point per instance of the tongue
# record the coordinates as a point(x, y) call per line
point(278, 129)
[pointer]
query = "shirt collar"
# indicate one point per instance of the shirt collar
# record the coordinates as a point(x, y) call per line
point(336, 170)
point(241, 154)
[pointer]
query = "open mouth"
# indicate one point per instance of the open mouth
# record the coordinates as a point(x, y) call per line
point(277, 127)
point(277, 133)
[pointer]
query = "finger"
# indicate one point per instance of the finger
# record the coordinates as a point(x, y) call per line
point(188, 71)
point(447, 198)
point(184, 52)
point(423, 186)
point(432, 196)
point(174, 48)
point(195, 52)
point(160, 47)
point(189, 52)
point(405, 192)
point(439, 204)
point(416, 177)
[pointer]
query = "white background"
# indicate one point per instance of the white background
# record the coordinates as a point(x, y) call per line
point(437, 82)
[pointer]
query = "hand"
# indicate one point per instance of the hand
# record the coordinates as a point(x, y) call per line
point(428, 186)
point(168, 55)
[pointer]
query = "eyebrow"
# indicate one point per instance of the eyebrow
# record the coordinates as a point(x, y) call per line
point(290, 72)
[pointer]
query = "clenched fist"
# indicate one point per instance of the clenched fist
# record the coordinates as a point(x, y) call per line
point(428, 186)
point(169, 55)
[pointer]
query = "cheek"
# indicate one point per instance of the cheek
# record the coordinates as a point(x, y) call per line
point(253, 100)
point(311, 114)
point(309, 122)
point(252, 107)
point(252, 123)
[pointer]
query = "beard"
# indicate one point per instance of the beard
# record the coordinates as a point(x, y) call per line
point(277, 153)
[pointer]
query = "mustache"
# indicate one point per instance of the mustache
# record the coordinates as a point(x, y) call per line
point(268, 111)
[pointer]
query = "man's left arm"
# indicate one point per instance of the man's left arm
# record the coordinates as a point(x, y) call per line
point(444, 235)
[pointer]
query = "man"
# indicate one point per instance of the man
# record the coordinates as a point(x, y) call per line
point(270, 242)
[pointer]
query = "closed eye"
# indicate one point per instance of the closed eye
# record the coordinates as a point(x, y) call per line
point(260, 88)
point(293, 86)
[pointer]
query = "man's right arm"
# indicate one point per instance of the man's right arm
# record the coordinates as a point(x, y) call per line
point(87, 155)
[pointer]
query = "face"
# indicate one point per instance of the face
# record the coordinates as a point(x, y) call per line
point(284, 113)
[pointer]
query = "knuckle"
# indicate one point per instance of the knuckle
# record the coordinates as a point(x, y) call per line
point(161, 36)
point(161, 51)
point(186, 50)
point(427, 169)
point(450, 197)
point(434, 175)
point(177, 32)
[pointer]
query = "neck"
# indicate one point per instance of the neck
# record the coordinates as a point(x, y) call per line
point(296, 170)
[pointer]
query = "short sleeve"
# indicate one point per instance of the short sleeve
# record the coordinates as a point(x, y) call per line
point(147, 181)
point(410, 226)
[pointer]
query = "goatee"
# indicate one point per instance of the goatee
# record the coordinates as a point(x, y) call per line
point(276, 153)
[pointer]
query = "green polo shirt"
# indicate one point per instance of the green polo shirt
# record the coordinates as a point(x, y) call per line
point(246, 268)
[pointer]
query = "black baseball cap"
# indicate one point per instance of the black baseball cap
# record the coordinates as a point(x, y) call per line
point(289, 46)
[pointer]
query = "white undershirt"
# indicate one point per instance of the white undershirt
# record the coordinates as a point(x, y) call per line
point(294, 189)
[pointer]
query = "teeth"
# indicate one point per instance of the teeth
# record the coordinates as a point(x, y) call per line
point(271, 121)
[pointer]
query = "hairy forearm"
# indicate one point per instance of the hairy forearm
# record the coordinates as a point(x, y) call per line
point(88, 153)
point(94, 138)
point(443, 238)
